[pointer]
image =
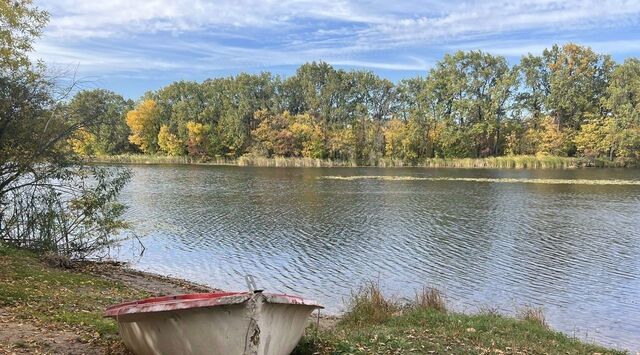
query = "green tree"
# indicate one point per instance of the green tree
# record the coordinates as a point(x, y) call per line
point(49, 201)
point(470, 92)
point(108, 132)
point(623, 101)
point(578, 78)
point(534, 86)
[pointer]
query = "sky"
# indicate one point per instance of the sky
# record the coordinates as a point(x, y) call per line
point(133, 46)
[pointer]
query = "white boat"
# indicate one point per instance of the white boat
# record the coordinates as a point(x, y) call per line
point(224, 323)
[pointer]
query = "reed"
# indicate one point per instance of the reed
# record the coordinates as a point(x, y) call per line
point(291, 162)
point(368, 306)
point(143, 159)
point(532, 314)
point(505, 162)
point(430, 298)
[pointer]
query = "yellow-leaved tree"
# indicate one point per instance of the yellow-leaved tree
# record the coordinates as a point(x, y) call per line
point(394, 134)
point(553, 139)
point(308, 135)
point(144, 122)
point(169, 142)
point(199, 138)
point(84, 143)
point(342, 143)
point(403, 140)
point(595, 138)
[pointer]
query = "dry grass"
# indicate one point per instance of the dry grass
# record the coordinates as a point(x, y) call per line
point(532, 314)
point(430, 298)
point(620, 182)
point(144, 159)
point(291, 162)
point(504, 162)
point(369, 305)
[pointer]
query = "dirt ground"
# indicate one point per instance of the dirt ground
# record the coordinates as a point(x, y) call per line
point(154, 284)
point(18, 337)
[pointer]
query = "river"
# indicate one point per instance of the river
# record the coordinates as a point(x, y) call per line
point(564, 240)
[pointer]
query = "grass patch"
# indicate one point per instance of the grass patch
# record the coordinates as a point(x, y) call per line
point(31, 289)
point(424, 326)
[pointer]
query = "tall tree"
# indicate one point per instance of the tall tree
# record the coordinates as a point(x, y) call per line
point(623, 102)
point(106, 111)
point(470, 92)
point(144, 122)
point(578, 78)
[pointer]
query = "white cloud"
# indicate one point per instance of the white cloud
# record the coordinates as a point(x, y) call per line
point(498, 17)
point(403, 21)
point(413, 65)
point(192, 35)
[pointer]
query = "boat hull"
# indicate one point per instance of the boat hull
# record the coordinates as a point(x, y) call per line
point(249, 324)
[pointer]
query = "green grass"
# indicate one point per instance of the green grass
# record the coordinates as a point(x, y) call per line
point(68, 299)
point(31, 289)
point(376, 325)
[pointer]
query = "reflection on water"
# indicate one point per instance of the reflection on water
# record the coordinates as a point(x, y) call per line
point(537, 239)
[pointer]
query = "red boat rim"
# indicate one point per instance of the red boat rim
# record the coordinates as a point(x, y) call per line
point(198, 300)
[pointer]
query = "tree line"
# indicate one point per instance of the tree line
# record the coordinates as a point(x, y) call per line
point(569, 101)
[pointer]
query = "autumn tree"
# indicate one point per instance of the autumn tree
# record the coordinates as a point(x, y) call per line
point(470, 104)
point(308, 135)
point(272, 135)
point(169, 142)
point(342, 144)
point(144, 122)
point(594, 139)
point(199, 139)
point(108, 132)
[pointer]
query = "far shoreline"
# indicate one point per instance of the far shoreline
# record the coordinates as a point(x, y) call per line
point(503, 162)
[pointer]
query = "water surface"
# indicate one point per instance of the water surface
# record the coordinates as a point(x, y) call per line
point(566, 240)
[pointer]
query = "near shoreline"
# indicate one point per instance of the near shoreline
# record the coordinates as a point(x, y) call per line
point(504, 162)
point(47, 309)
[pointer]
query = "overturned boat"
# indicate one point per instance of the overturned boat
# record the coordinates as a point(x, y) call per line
point(213, 323)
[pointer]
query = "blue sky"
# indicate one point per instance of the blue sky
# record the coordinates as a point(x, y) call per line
point(131, 46)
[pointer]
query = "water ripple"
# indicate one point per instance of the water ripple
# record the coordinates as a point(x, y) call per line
point(566, 240)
